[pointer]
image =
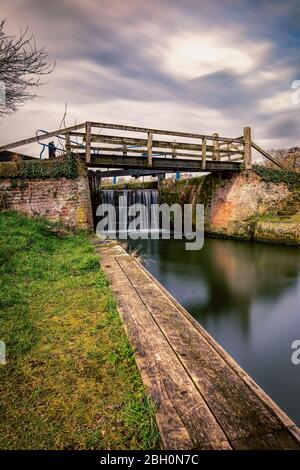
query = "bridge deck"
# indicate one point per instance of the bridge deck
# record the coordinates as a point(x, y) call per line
point(158, 163)
point(204, 400)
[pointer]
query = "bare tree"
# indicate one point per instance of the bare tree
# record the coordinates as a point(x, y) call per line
point(289, 158)
point(22, 65)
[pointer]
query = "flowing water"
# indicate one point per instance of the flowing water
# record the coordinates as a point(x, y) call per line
point(247, 296)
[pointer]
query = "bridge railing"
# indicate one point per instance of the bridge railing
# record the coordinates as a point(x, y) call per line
point(114, 140)
point(96, 139)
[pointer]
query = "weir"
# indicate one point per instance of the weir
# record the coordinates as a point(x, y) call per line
point(124, 199)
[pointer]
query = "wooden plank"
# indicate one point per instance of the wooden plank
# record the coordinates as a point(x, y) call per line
point(108, 139)
point(168, 164)
point(282, 416)
point(184, 419)
point(265, 154)
point(247, 149)
point(282, 440)
point(149, 148)
point(203, 156)
point(163, 132)
point(31, 140)
point(216, 147)
point(240, 412)
point(88, 142)
point(143, 152)
point(67, 142)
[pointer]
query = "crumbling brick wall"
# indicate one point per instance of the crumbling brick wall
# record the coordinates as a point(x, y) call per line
point(62, 199)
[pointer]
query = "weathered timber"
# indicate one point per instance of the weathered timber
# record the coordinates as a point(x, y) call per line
point(204, 399)
point(184, 418)
point(88, 142)
point(108, 139)
point(67, 142)
point(130, 172)
point(266, 154)
point(146, 130)
point(167, 164)
point(143, 151)
point(216, 147)
point(149, 148)
point(240, 412)
point(203, 155)
point(31, 140)
point(247, 148)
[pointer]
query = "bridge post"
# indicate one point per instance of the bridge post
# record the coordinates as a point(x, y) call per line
point(88, 142)
point(203, 159)
point(149, 148)
point(67, 142)
point(216, 147)
point(247, 148)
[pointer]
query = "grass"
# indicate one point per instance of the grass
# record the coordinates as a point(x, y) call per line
point(70, 381)
point(273, 217)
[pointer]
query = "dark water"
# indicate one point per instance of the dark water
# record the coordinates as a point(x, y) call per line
point(247, 296)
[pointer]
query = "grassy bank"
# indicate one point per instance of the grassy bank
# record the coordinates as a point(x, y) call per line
point(70, 381)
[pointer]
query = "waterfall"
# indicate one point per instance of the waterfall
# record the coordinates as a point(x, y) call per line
point(107, 196)
point(129, 197)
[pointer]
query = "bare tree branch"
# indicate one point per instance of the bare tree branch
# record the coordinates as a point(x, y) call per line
point(22, 66)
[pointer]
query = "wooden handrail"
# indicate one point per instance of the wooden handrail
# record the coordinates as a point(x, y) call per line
point(146, 130)
point(31, 140)
point(109, 139)
point(265, 154)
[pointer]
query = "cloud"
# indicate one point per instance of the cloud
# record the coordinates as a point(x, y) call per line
point(195, 65)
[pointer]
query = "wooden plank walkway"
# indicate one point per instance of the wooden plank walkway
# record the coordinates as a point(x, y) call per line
point(204, 400)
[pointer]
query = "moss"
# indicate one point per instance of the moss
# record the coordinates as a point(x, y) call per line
point(67, 166)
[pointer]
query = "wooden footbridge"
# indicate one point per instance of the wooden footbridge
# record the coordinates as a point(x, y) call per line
point(129, 148)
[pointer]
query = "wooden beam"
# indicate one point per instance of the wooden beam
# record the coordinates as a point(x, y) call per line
point(247, 148)
point(266, 154)
point(131, 141)
point(104, 150)
point(31, 140)
point(67, 142)
point(88, 142)
point(168, 164)
point(216, 146)
point(203, 160)
point(149, 148)
point(146, 130)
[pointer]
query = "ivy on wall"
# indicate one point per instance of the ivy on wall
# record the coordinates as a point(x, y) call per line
point(272, 175)
point(67, 166)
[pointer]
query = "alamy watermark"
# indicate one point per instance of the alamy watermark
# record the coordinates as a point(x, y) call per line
point(139, 221)
point(295, 96)
point(296, 352)
point(2, 352)
point(2, 93)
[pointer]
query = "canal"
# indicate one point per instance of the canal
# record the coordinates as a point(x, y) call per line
point(247, 296)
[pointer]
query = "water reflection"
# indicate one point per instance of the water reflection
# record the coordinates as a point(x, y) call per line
point(247, 296)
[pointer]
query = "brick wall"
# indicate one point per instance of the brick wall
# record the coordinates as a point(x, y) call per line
point(64, 200)
point(234, 203)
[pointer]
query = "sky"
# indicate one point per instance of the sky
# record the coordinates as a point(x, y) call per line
point(193, 65)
